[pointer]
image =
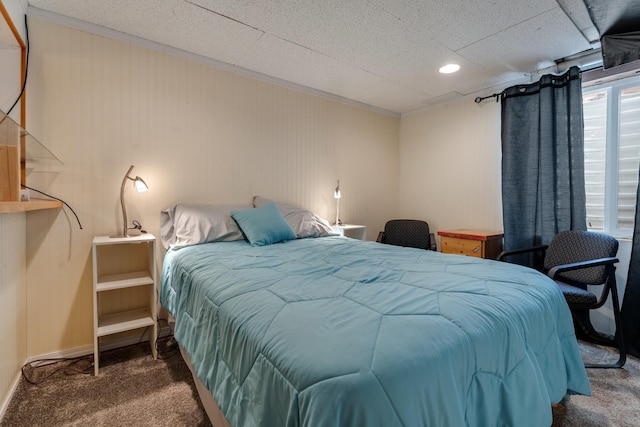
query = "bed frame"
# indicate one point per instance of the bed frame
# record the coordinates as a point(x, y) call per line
point(210, 405)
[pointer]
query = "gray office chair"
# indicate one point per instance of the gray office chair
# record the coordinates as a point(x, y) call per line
point(575, 259)
point(411, 233)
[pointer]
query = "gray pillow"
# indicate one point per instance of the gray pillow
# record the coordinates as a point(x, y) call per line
point(303, 222)
point(190, 224)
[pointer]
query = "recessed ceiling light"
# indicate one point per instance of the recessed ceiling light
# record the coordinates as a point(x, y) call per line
point(449, 68)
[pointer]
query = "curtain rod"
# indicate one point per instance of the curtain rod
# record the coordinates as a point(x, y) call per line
point(482, 98)
point(565, 75)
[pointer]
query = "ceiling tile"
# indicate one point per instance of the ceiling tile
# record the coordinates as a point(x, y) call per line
point(288, 61)
point(528, 46)
point(459, 23)
point(393, 97)
point(418, 69)
point(174, 23)
point(578, 13)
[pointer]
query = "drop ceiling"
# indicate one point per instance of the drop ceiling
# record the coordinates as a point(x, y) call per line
point(383, 54)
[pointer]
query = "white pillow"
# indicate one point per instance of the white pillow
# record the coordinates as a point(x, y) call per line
point(190, 224)
point(303, 222)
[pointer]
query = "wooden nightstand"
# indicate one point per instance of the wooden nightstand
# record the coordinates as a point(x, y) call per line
point(476, 243)
point(352, 230)
point(124, 288)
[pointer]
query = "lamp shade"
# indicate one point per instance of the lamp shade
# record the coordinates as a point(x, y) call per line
point(140, 185)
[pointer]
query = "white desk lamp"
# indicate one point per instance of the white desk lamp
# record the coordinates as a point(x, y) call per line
point(337, 195)
point(140, 186)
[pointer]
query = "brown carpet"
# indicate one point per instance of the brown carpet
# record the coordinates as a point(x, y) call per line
point(131, 390)
point(134, 390)
point(615, 393)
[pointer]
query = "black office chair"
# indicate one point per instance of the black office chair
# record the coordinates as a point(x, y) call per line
point(412, 233)
point(575, 259)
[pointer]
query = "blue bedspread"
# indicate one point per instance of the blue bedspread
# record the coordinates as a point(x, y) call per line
point(339, 332)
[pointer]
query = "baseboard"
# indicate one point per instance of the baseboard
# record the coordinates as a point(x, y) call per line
point(14, 387)
point(111, 344)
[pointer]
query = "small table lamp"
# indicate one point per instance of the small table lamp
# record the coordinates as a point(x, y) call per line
point(140, 186)
point(337, 195)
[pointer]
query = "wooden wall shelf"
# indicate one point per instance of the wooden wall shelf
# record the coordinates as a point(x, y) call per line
point(32, 205)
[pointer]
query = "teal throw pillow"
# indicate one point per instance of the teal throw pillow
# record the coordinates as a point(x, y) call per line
point(264, 225)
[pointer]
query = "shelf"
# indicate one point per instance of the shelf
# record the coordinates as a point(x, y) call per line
point(125, 288)
point(124, 321)
point(13, 135)
point(18, 148)
point(123, 280)
point(119, 240)
point(353, 231)
point(32, 205)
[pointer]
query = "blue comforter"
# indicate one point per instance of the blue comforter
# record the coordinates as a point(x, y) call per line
point(339, 332)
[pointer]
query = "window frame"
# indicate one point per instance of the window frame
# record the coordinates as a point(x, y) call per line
point(613, 88)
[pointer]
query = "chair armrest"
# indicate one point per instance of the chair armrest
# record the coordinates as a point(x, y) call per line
point(521, 251)
point(432, 242)
point(580, 265)
point(380, 237)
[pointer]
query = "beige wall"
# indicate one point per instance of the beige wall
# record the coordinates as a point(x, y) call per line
point(12, 302)
point(10, 76)
point(13, 273)
point(195, 134)
point(450, 166)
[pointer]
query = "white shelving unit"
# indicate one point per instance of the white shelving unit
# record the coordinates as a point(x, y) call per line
point(354, 231)
point(124, 288)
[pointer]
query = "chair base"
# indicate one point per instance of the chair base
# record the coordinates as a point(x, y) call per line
point(622, 358)
point(619, 364)
point(585, 331)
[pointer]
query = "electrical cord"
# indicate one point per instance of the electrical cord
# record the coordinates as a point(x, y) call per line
point(28, 369)
point(137, 226)
point(55, 198)
point(22, 89)
point(26, 70)
point(167, 346)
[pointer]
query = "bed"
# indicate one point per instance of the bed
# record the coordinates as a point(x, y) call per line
point(331, 331)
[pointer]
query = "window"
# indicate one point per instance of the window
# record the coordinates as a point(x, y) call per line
point(612, 154)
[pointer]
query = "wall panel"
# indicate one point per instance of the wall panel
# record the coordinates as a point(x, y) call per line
point(195, 134)
point(13, 274)
point(450, 163)
point(13, 308)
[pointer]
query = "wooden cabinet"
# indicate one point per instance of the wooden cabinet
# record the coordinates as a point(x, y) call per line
point(124, 288)
point(476, 243)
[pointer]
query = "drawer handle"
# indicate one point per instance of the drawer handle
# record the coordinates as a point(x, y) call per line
point(476, 249)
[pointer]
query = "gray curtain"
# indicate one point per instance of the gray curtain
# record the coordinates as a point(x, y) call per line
point(542, 161)
point(631, 300)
